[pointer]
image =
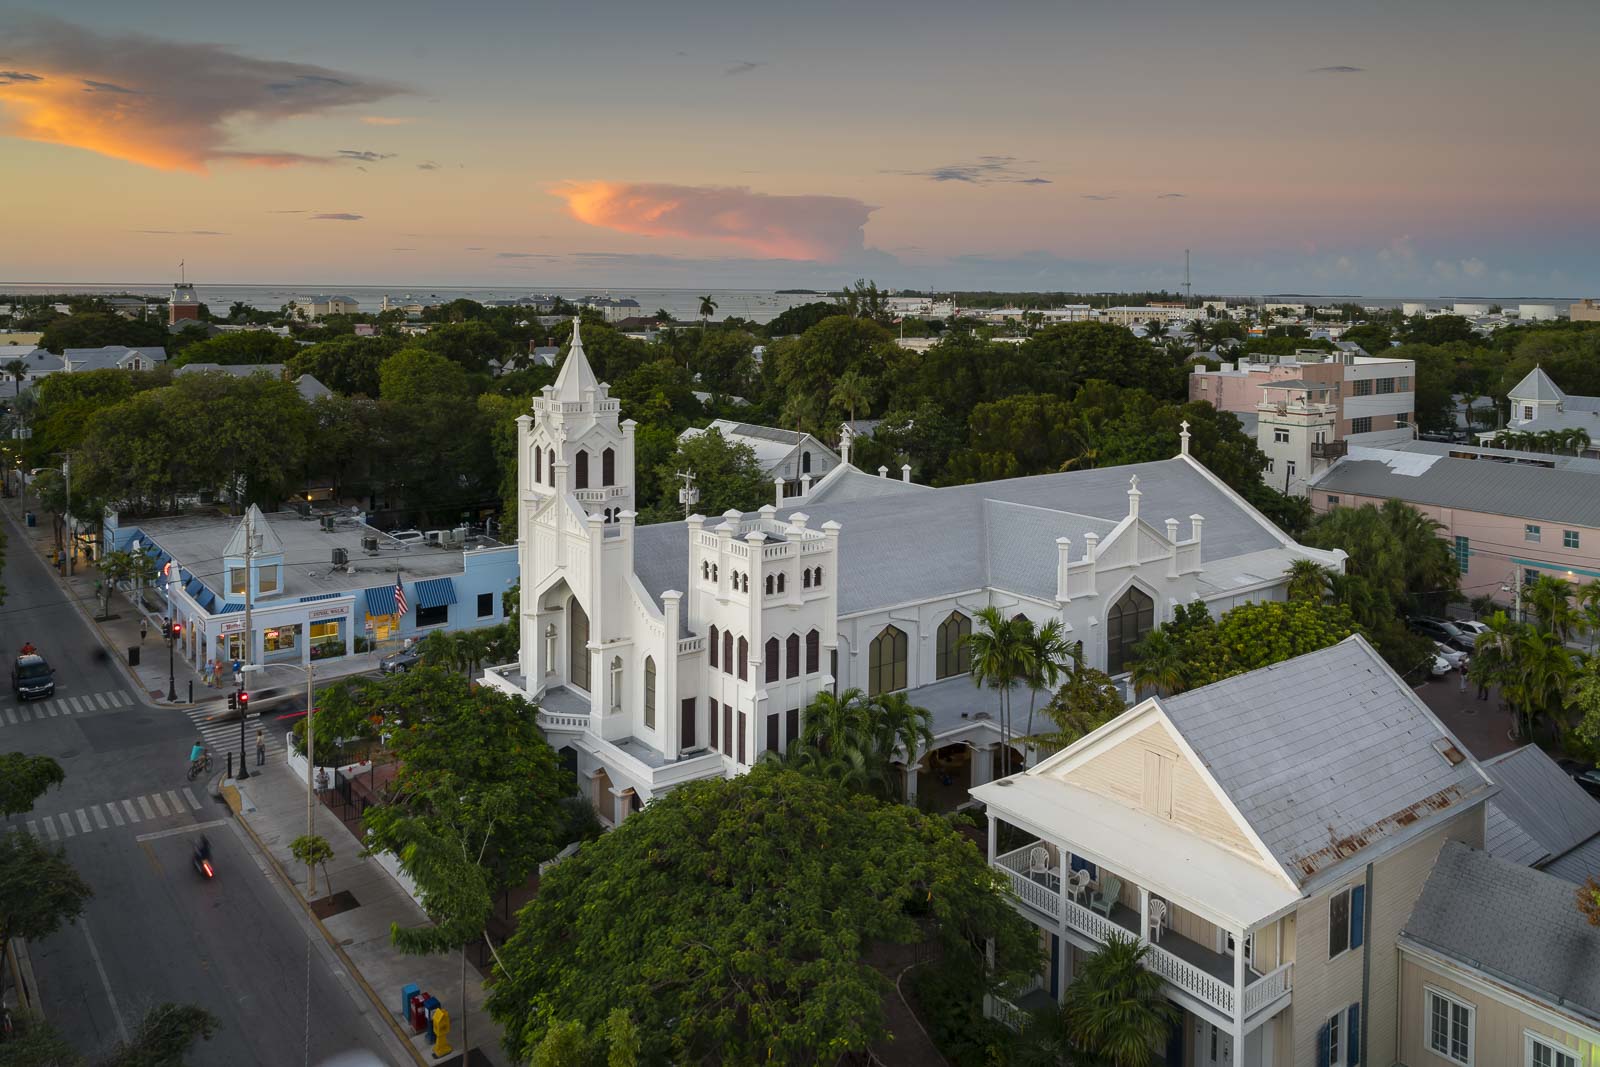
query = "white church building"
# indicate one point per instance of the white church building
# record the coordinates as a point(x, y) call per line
point(666, 653)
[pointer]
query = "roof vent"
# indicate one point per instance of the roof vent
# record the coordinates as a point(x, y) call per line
point(1452, 755)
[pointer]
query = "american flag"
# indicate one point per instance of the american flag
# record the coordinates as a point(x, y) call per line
point(399, 597)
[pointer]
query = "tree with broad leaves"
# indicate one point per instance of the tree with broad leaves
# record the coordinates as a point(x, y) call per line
point(314, 851)
point(734, 914)
point(39, 889)
point(161, 1038)
point(24, 779)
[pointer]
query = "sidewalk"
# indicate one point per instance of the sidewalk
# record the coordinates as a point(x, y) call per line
point(271, 805)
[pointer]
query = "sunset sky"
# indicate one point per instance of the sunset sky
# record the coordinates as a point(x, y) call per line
point(1411, 148)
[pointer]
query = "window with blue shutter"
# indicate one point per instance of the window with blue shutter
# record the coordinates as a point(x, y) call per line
point(1358, 915)
point(1352, 1056)
point(1322, 1045)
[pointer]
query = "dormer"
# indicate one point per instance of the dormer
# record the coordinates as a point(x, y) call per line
point(575, 443)
point(265, 562)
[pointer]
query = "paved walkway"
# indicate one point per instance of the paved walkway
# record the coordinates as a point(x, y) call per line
point(271, 806)
point(1482, 725)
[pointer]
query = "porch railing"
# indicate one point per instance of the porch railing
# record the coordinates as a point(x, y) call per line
point(1191, 979)
point(1268, 988)
point(1030, 892)
point(559, 721)
point(1006, 1012)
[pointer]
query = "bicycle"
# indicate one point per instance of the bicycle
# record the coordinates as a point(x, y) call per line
point(199, 766)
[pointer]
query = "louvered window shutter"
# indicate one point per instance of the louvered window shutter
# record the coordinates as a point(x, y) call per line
point(1353, 1057)
point(1322, 1046)
point(1358, 915)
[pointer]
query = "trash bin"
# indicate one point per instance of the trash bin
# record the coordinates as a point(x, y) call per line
point(31, 520)
point(406, 993)
point(133, 655)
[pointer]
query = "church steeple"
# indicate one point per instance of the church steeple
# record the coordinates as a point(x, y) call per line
point(576, 443)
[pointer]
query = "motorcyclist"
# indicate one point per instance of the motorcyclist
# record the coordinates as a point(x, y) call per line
point(202, 849)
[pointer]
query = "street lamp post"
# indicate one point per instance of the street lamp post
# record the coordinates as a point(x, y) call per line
point(170, 632)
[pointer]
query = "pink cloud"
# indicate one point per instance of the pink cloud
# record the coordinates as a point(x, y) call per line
point(783, 227)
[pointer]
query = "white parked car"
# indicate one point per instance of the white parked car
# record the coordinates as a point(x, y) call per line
point(1471, 627)
point(1441, 666)
point(1453, 656)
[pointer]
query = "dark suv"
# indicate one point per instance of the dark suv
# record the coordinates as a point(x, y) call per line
point(32, 678)
point(1445, 632)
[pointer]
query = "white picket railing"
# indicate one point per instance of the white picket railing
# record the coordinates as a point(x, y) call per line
point(558, 721)
point(1268, 988)
point(1095, 925)
point(1006, 1012)
point(1032, 893)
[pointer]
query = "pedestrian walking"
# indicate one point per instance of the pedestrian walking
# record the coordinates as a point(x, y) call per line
point(216, 674)
point(261, 747)
point(144, 629)
point(1463, 679)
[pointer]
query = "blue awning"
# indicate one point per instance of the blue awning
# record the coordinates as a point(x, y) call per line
point(319, 596)
point(227, 609)
point(194, 585)
point(435, 593)
point(380, 601)
point(185, 576)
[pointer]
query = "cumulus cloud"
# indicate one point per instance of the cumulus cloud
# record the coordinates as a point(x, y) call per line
point(103, 93)
point(782, 227)
point(1336, 70)
point(744, 67)
point(339, 216)
point(983, 171)
point(365, 157)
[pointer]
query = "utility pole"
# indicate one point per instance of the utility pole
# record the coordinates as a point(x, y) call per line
point(688, 495)
point(1188, 290)
point(66, 477)
point(249, 625)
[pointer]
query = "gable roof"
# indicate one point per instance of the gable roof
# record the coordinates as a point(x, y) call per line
point(1519, 490)
point(575, 376)
point(1539, 803)
point(1512, 924)
point(82, 359)
point(1327, 756)
point(1538, 387)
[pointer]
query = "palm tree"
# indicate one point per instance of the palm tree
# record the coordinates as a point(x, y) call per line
point(1308, 580)
point(473, 647)
point(708, 308)
point(1551, 600)
point(900, 729)
point(1160, 664)
point(1053, 656)
point(1116, 1012)
point(1155, 330)
point(858, 741)
point(19, 370)
point(1001, 656)
point(1543, 668)
point(852, 391)
point(1588, 597)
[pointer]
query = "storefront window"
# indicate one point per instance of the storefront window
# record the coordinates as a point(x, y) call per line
point(327, 639)
point(269, 578)
point(382, 627)
point(280, 641)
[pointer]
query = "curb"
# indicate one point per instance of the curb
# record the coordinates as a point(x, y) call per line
point(24, 984)
point(230, 794)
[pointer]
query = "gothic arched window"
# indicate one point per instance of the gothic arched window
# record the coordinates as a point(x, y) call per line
point(608, 467)
point(954, 654)
point(580, 475)
point(773, 667)
point(577, 644)
point(886, 662)
point(791, 656)
point(1129, 620)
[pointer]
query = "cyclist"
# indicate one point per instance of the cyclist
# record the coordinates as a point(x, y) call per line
point(197, 754)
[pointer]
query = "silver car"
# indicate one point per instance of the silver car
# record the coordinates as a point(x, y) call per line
point(399, 661)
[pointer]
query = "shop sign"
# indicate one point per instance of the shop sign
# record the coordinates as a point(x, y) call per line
point(328, 613)
point(232, 627)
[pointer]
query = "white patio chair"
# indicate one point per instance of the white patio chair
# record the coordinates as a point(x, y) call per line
point(1158, 918)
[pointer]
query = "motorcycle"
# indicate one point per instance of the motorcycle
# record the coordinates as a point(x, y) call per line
point(202, 860)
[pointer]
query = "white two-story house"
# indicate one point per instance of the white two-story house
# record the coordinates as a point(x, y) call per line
point(665, 653)
point(1267, 836)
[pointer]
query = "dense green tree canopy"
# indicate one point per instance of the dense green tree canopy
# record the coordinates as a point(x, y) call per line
point(245, 346)
point(726, 476)
point(346, 365)
point(95, 329)
point(730, 918)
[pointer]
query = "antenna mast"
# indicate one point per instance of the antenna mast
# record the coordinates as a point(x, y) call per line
point(1188, 290)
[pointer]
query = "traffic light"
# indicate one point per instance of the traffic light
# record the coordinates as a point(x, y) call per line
point(233, 701)
point(244, 700)
point(177, 630)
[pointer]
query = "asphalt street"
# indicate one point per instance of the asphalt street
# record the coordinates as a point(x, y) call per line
point(127, 815)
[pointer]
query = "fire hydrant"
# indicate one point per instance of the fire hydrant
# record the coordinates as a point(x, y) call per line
point(441, 1032)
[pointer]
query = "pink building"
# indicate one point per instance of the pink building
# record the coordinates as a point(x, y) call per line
point(1369, 393)
point(1507, 522)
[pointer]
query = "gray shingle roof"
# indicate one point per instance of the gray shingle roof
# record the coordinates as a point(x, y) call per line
point(1511, 923)
point(1579, 865)
point(901, 543)
point(108, 356)
point(1514, 489)
point(1536, 385)
point(1540, 800)
point(1327, 755)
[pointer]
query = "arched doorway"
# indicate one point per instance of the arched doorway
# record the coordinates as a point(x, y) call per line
point(944, 777)
point(577, 645)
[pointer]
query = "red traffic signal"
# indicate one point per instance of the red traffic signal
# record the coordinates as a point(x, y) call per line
point(177, 629)
point(244, 699)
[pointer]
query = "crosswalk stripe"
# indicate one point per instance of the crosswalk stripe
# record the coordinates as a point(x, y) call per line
point(193, 803)
point(177, 805)
point(123, 698)
point(83, 821)
point(144, 806)
point(128, 806)
point(116, 816)
point(66, 824)
point(11, 713)
point(161, 805)
point(27, 716)
point(76, 707)
point(103, 702)
point(50, 827)
point(33, 828)
point(50, 706)
point(99, 820)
